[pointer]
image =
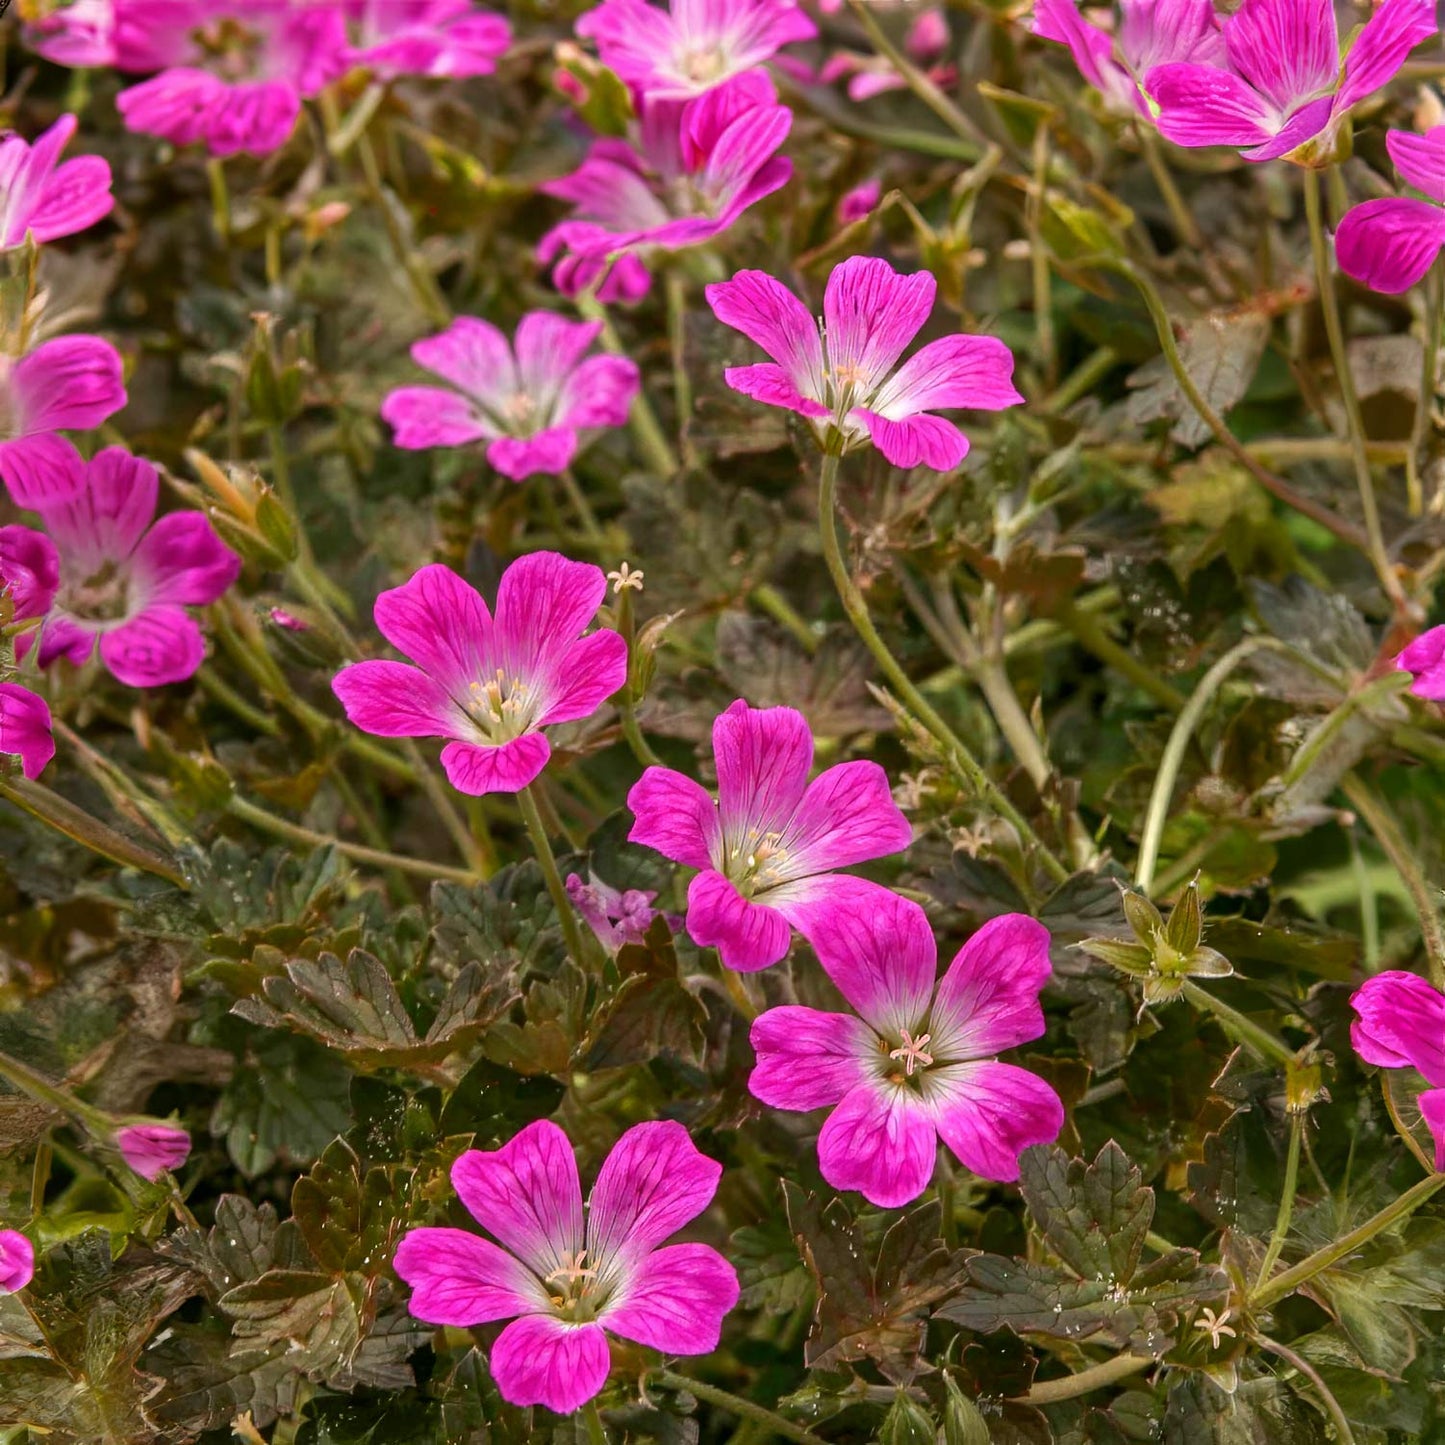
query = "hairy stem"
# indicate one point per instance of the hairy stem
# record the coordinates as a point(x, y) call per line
point(1258, 1040)
point(1425, 403)
point(1093, 638)
point(646, 430)
point(1096, 1377)
point(1286, 1202)
point(1343, 1434)
point(547, 860)
point(736, 1405)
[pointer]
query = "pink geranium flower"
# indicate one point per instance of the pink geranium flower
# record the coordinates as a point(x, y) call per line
point(693, 169)
point(871, 75)
point(47, 198)
point(17, 1261)
point(843, 380)
point(110, 573)
point(151, 1149)
point(1424, 658)
point(233, 74)
point(693, 45)
point(1390, 244)
point(491, 684)
point(767, 849)
point(617, 916)
point(528, 407)
point(1286, 83)
point(1152, 33)
point(914, 1065)
point(25, 728)
point(568, 1276)
point(425, 37)
point(1401, 1024)
point(68, 382)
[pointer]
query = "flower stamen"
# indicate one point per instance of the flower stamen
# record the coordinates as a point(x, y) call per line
point(912, 1052)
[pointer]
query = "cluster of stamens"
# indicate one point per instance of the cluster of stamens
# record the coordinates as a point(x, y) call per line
point(759, 860)
point(499, 705)
point(100, 597)
point(912, 1053)
point(574, 1275)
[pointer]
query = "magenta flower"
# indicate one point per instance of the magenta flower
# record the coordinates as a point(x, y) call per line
point(491, 684)
point(1425, 659)
point(844, 380)
point(528, 408)
point(111, 573)
point(568, 1277)
point(17, 1261)
point(1152, 33)
point(870, 75)
point(70, 382)
point(618, 917)
point(1286, 83)
point(693, 45)
point(25, 728)
point(151, 1149)
point(1390, 244)
point(1401, 1025)
point(693, 169)
point(434, 38)
point(766, 850)
point(47, 198)
point(859, 202)
point(914, 1065)
point(233, 72)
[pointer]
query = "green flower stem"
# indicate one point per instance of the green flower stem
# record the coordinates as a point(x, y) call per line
point(1317, 744)
point(211, 682)
point(591, 527)
point(1343, 1433)
point(1258, 1040)
point(444, 805)
point(267, 822)
point(313, 584)
point(1093, 638)
point(1096, 1377)
point(646, 430)
point(768, 599)
point(918, 82)
point(566, 914)
point(1286, 1202)
point(1040, 275)
point(125, 794)
point(1285, 1284)
point(592, 1419)
point(1429, 360)
point(1277, 487)
point(1185, 727)
point(1423, 895)
point(736, 1405)
point(1185, 225)
point(848, 119)
point(220, 199)
point(1334, 329)
point(80, 827)
point(27, 1081)
point(959, 757)
point(676, 286)
point(1081, 380)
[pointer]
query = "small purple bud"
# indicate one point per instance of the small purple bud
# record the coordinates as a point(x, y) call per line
point(151, 1149)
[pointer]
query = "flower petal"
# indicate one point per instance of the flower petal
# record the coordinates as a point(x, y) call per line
point(592, 669)
point(599, 393)
point(748, 936)
point(396, 700)
point(1424, 657)
point(480, 768)
point(547, 453)
point(807, 1059)
point(421, 417)
point(847, 815)
point(461, 1279)
point(25, 728)
point(763, 758)
point(544, 602)
point(653, 1182)
point(921, 440)
point(441, 623)
point(474, 356)
point(882, 959)
point(771, 317)
point(162, 645)
point(541, 1360)
point(1401, 1023)
point(674, 815)
point(988, 1000)
point(1432, 1110)
point(870, 313)
point(1200, 105)
point(181, 559)
point(1389, 245)
point(1288, 50)
point(769, 383)
point(549, 349)
point(527, 1195)
point(39, 471)
point(1379, 50)
point(989, 1113)
point(30, 570)
point(1420, 159)
point(109, 517)
point(956, 371)
point(880, 1141)
point(675, 1301)
point(75, 197)
point(70, 382)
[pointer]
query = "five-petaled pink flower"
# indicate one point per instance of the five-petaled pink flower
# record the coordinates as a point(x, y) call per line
point(45, 197)
point(1389, 244)
point(491, 684)
point(67, 382)
point(843, 380)
point(1401, 1025)
point(25, 728)
point(1286, 83)
point(151, 1149)
point(568, 1277)
point(693, 45)
point(1152, 33)
point(233, 72)
point(914, 1065)
point(17, 1261)
point(694, 168)
point(434, 38)
point(528, 408)
point(1424, 658)
point(110, 572)
point(767, 848)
